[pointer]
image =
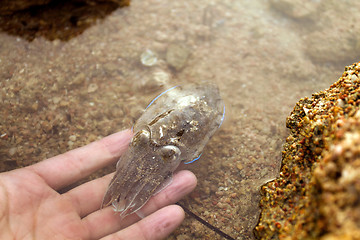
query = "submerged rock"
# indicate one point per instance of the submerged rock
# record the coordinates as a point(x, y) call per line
point(177, 55)
point(296, 9)
point(53, 19)
point(317, 195)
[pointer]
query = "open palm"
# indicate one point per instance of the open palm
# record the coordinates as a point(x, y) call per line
point(31, 207)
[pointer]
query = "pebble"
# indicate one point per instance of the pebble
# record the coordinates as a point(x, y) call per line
point(161, 36)
point(12, 151)
point(219, 193)
point(78, 79)
point(35, 106)
point(233, 195)
point(295, 8)
point(111, 67)
point(354, 77)
point(72, 138)
point(220, 205)
point(92, 88)
point(56, 100)
point(148, 58)
point(207, 190)
point(64, 103)
point(177, 55)
point(70, 143)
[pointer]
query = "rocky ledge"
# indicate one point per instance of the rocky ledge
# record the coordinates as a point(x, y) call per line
point(53, 19)
point(317, 195)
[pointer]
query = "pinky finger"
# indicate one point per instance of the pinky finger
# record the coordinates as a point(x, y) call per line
point(155, 226)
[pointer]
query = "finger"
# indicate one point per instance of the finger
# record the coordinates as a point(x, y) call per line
point(76, 164)
point(183, 183)
point(87, 197)
point(156, 226)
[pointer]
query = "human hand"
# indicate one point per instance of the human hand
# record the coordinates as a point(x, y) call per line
point(31, 207)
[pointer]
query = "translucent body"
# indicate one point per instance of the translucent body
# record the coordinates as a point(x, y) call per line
point(175, 127)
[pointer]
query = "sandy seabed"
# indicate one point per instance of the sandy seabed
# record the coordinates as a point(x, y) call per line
point(264, 56)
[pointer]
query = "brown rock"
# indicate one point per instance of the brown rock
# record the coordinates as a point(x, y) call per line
point(53, 19)
point(317, 195)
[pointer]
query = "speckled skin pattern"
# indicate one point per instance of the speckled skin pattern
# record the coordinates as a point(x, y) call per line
point(175, 127)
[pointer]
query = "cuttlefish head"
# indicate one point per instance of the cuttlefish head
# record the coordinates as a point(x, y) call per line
point(144, 170)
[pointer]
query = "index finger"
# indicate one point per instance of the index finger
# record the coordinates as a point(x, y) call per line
point(67, 168)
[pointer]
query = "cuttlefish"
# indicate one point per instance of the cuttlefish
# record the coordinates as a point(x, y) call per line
point(174, 128)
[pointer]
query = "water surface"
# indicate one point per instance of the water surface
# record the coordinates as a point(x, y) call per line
point(264, 56)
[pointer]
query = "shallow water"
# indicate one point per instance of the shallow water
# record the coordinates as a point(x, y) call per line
point(264, 56)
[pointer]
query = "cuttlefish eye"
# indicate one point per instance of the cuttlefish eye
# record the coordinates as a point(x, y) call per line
point(170, 153)
point(141, 137)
